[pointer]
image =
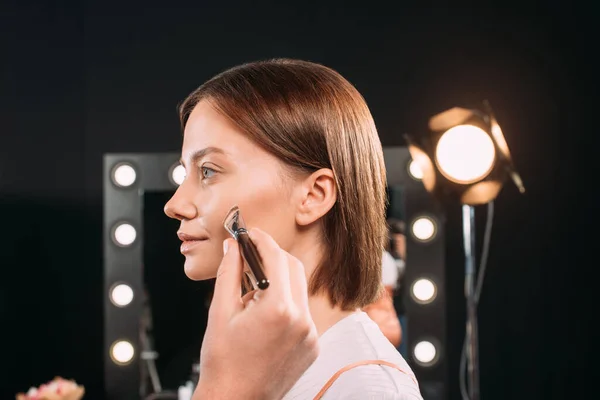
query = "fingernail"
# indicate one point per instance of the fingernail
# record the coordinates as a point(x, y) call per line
point(225, 246)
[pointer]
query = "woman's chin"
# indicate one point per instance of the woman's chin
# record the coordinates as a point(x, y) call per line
point(197, 272)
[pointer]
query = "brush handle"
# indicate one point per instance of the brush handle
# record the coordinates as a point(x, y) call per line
point(250, 254)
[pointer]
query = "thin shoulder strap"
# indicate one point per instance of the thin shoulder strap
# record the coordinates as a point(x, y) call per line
point(354, 365)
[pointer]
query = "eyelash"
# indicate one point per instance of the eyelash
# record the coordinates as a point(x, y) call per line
point(204, 169)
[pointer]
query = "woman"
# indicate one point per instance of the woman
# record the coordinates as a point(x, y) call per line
point(293, 144)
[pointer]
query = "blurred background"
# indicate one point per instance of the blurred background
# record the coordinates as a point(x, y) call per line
point(81, 79)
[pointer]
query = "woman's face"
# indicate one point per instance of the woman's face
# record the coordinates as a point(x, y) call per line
point(223, 169)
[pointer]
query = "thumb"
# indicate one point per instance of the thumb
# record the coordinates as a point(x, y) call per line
point(228, 285)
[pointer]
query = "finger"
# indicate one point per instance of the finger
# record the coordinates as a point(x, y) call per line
point(227, 293)
point(250, 296)
point(274, 263)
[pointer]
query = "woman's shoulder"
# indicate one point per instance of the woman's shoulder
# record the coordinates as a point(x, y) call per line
point(394, 380)
point(356, 339)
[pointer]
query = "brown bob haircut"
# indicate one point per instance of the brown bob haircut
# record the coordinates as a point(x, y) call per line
point(310, 117)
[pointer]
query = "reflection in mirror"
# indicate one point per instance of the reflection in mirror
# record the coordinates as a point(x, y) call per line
point(396, 247)
point(389, 311)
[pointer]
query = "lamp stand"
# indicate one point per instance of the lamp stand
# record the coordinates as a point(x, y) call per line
point(468, 216)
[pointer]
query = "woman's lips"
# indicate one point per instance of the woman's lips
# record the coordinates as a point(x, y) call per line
point(189, 245)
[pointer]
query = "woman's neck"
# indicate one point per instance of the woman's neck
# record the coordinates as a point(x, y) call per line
point(324, 314)
point(307, 246)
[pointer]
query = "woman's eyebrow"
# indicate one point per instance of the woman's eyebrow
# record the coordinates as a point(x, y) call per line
point(200, 154)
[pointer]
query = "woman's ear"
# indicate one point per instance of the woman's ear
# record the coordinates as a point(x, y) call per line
point(319, 194)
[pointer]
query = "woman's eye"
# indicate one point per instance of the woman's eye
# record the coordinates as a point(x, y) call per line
point(207, 172)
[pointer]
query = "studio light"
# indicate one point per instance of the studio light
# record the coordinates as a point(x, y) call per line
point(425, 353)
point(464, 155)
point(124, 234)
point(423, 229)
point(177, 174)
point(124, 175)
point(122, 352)
point(121, 295)
point(423, 291)
point(414, 170)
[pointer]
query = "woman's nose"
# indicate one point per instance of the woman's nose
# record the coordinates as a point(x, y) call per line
point(180, 206)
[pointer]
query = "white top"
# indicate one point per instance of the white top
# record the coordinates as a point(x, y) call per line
point(356, 338)
point(389, 270)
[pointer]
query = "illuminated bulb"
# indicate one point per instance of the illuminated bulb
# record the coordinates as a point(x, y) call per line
point(124, 175)
point(415, 171)
point(425, 352)
point(121, 295)
point(423, 291)
point(178, 174)
point(465, 154)
point(423, 228)
point(121, 352)
point(125, 234)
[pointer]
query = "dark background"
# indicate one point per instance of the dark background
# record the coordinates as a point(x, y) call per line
point(83, 78)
